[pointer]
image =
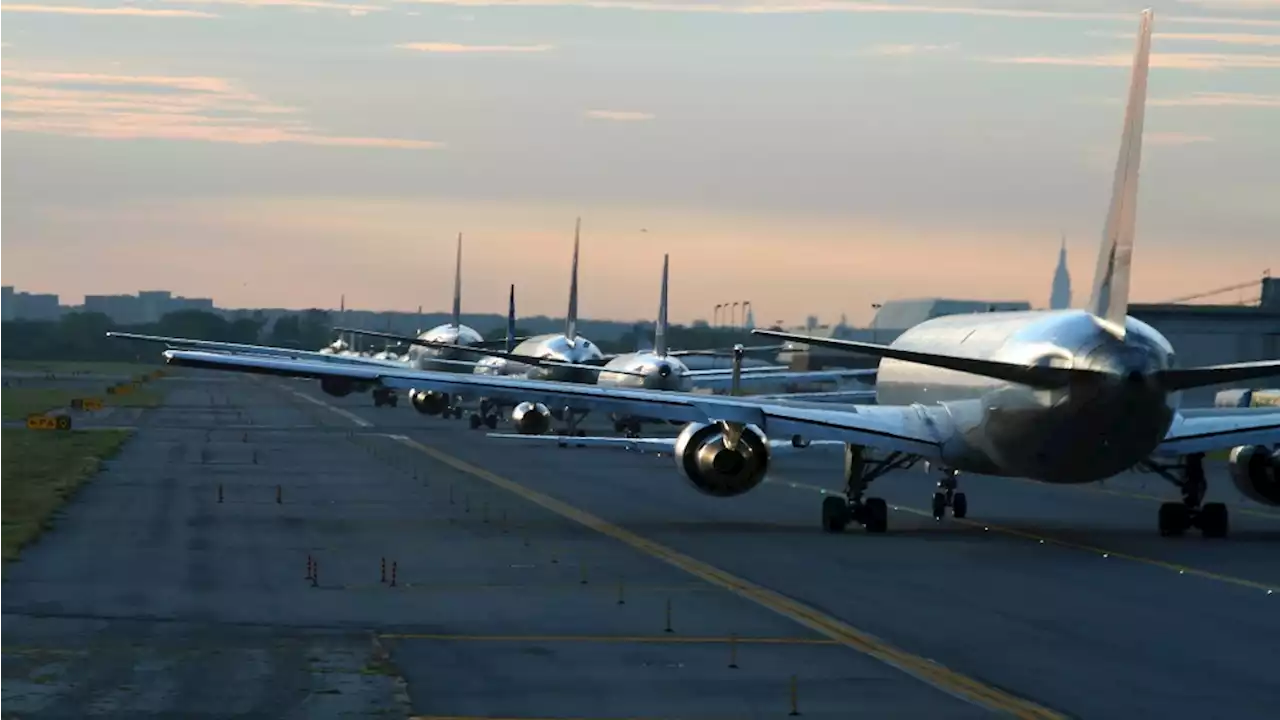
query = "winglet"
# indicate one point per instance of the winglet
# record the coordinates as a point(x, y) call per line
point(571, 319)
point(660, 329)
point(511, 321)
point(457, 286)
point(1110, 298)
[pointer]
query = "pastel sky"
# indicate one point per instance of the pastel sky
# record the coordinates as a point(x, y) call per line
point(813, 156)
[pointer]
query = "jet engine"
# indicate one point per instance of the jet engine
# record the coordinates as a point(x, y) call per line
point(716, 470)
point(531, 418)
point(1255, 470)
point(341, 387)
point(429, 402)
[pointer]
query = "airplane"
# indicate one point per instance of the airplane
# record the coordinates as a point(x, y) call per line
point(658, 368)
point(1055, 396)
point(444, 348)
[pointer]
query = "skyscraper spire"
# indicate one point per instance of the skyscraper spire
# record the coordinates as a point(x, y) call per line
point(1060, 296)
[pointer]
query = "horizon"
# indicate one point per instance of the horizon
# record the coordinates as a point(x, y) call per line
point(280, 153)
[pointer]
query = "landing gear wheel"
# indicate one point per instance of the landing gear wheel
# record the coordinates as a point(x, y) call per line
point(457, 413)
point(1174, 520)
point(475, 421)
point(959, 506)
point(393, 400)
point(377, 400)
point(876, 515)
point(939, 505)
point(1213, 520)
point(491, 422)
point(835, 514)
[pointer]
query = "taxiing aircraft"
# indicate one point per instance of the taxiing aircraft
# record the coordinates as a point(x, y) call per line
point(1056, 396)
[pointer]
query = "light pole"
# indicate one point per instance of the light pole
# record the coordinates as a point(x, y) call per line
point(733, 315)
point(745, 305)
point(875, 322)
point(715, 317)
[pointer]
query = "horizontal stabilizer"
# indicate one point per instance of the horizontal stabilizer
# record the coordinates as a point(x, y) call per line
point(1031, 375)
point(1172, 380)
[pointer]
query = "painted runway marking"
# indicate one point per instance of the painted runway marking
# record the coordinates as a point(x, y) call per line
point(1048, 539)
point(926, 670)
point(652, 639)
point(344, 413)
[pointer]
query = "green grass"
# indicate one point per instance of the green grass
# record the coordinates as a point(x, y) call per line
point(41, 471)
point(68, 367)
point(17, 403)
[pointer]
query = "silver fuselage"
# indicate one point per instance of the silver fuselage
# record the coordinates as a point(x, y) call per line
point(660, 373)
point(426, 358)
point(548, 347)
point(1082, 433)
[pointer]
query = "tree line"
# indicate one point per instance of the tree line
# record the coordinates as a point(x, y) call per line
point(82, 336)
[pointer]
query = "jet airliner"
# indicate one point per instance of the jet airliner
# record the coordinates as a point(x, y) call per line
point(1058, 396)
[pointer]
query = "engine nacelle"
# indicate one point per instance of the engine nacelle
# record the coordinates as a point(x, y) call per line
point(1255, 470)
point(429, 402)
point(531, 418)
point(340, 387)
point(715, 470)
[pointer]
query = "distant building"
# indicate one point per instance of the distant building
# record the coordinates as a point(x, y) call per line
point(1060, 296)
point(29, 306)
point(148, 306)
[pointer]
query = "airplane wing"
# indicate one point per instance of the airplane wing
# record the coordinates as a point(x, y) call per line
point(267, 350)
point(723, 378)
point(1218, 428)
point(649, 444)
point(916, 429)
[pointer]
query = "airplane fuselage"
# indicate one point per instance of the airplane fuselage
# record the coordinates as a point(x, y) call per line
point(660, 373)
point(1093, 429)
point(549, 347)
point(427, 358)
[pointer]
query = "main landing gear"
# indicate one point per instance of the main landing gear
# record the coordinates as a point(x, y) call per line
point(490, 421)
point(627, 428)
point(1176, 518)
point(947, 497)
point(859, 472)
point(385, 396)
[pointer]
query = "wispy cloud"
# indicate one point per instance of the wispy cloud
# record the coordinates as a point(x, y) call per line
point(908, 49)
point(441, 47)
point(1224, 38)
point(619, 115)
point(208, 109)
point(1175, 61)
point(1174, 138)
point(125, 11)
point(1219, 99)
point(351, 8)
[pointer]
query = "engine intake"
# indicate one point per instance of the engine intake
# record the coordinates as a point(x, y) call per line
point(716, 470)
point(429, 402)
point(1255, 470)
point(531, 418)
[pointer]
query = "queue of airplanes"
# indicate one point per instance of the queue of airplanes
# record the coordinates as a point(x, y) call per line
point(1055, 396)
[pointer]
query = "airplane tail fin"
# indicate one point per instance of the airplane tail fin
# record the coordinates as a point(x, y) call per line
point(457, 286)
point(511, 321)
point(660, 329)
point(571, 319)
point(1110, 298)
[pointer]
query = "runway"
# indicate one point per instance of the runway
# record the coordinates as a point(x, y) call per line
point(542, 582)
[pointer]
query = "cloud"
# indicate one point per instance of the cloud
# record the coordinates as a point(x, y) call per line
point(1219, 99)
point(1175, 61)
point(130, 11)
point(354, 9)
point(908, 49)
point(1174, 138)
point(1235, 4)
point(619, 115)
point(440, 47)
point(208, 109)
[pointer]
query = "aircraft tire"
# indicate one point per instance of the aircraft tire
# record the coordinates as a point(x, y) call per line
point(1214, 520)
point(959, 506)
point(835, 514)
point(491, 421)
point(474, 421)
point(939, 505)
point(1174, 519)
point(876, 515)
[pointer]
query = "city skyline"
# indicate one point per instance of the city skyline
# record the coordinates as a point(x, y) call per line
point(283, 153)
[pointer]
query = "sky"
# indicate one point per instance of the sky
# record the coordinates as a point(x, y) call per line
point(811, 156)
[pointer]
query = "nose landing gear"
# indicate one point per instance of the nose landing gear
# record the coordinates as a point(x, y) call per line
point(947, 497)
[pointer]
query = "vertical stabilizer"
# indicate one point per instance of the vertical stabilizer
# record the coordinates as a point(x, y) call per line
point(457, 286)
point(571, 319)
point(418, 327)
point(511, 321)
point(660, 330)
point(1110, 298)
